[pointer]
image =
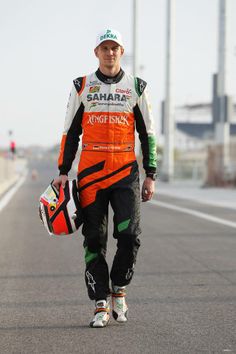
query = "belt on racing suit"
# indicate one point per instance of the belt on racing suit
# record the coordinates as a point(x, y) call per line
point(108, 147)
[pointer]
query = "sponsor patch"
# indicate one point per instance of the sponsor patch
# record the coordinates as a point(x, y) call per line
point(124, 91)
point(110, 119)
point(106, 97)
point(108, 35)
point(94, 89)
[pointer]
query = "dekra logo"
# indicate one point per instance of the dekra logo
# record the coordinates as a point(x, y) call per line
point(108, 35)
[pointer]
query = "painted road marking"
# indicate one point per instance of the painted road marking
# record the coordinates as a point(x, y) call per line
point(219, 204)
point(7, 197)
point(196, 213)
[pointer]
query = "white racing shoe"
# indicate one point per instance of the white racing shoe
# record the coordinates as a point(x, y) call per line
point(119, 306)
point(101, 314)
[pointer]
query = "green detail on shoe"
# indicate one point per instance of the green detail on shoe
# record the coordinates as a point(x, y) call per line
point(119, 304)
point(123, 225)
point(89, 256)
point(152, 151)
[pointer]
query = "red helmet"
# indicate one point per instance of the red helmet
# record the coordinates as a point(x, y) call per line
point(60, 211)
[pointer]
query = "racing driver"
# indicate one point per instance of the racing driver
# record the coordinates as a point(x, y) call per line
point(106, 107)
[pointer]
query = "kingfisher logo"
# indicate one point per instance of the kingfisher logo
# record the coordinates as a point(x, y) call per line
point(108, 119)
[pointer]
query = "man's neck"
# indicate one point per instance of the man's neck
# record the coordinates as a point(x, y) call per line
point(108, 79)
point(111, 72)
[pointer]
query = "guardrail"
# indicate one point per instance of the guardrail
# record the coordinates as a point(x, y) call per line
point(10, 170)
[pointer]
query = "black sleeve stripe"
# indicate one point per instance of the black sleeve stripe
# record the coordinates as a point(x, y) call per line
point(79, 84)
point(72, 141)
point(140, 85)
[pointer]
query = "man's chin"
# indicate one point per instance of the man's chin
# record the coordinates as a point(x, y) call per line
point(109, 65)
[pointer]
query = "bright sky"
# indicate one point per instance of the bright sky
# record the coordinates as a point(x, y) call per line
point(45, 44)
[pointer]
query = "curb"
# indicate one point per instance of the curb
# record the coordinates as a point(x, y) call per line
point(4, 186)
point(19, 169)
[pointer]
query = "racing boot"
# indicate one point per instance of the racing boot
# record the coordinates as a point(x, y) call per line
point(119, 306)
point(101, 314)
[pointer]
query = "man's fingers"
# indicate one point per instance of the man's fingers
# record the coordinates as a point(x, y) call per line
point(146, 194)
point(147, 191)
point(55, 184)
point(60, 181)
point(64, 179)
point(148, 188)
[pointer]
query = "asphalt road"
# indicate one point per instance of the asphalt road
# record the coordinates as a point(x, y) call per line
point(182, 298)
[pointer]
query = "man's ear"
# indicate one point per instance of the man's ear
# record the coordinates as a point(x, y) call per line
point(122, 50)
point(96, 52)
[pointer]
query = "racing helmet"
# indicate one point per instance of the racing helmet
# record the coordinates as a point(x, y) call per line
point(60, 211)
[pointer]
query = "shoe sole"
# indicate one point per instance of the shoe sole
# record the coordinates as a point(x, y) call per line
point(115, 316)
point(92, 326)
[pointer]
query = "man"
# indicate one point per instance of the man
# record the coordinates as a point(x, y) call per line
point(105, 107)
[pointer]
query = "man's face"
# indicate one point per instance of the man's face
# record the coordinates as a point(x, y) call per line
point(109, 54)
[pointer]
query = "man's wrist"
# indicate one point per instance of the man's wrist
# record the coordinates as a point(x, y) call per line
point(63, 171)
point(152, 175)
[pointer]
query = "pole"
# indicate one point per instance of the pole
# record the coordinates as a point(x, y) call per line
point(135, 51)
point(222, 132)
point(168, 156)
point(222, 56)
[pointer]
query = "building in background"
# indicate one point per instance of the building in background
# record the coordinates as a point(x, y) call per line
point(195, 144)
point(195, 126)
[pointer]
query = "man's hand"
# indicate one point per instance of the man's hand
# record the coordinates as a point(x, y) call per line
point(148, 189)
point(61, 180)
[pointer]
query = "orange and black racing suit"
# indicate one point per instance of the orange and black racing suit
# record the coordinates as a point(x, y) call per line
point(106, 111)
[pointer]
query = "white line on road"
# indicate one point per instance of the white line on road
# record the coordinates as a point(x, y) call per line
point(219, 202)
point(196, 213)
point(7, 197)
